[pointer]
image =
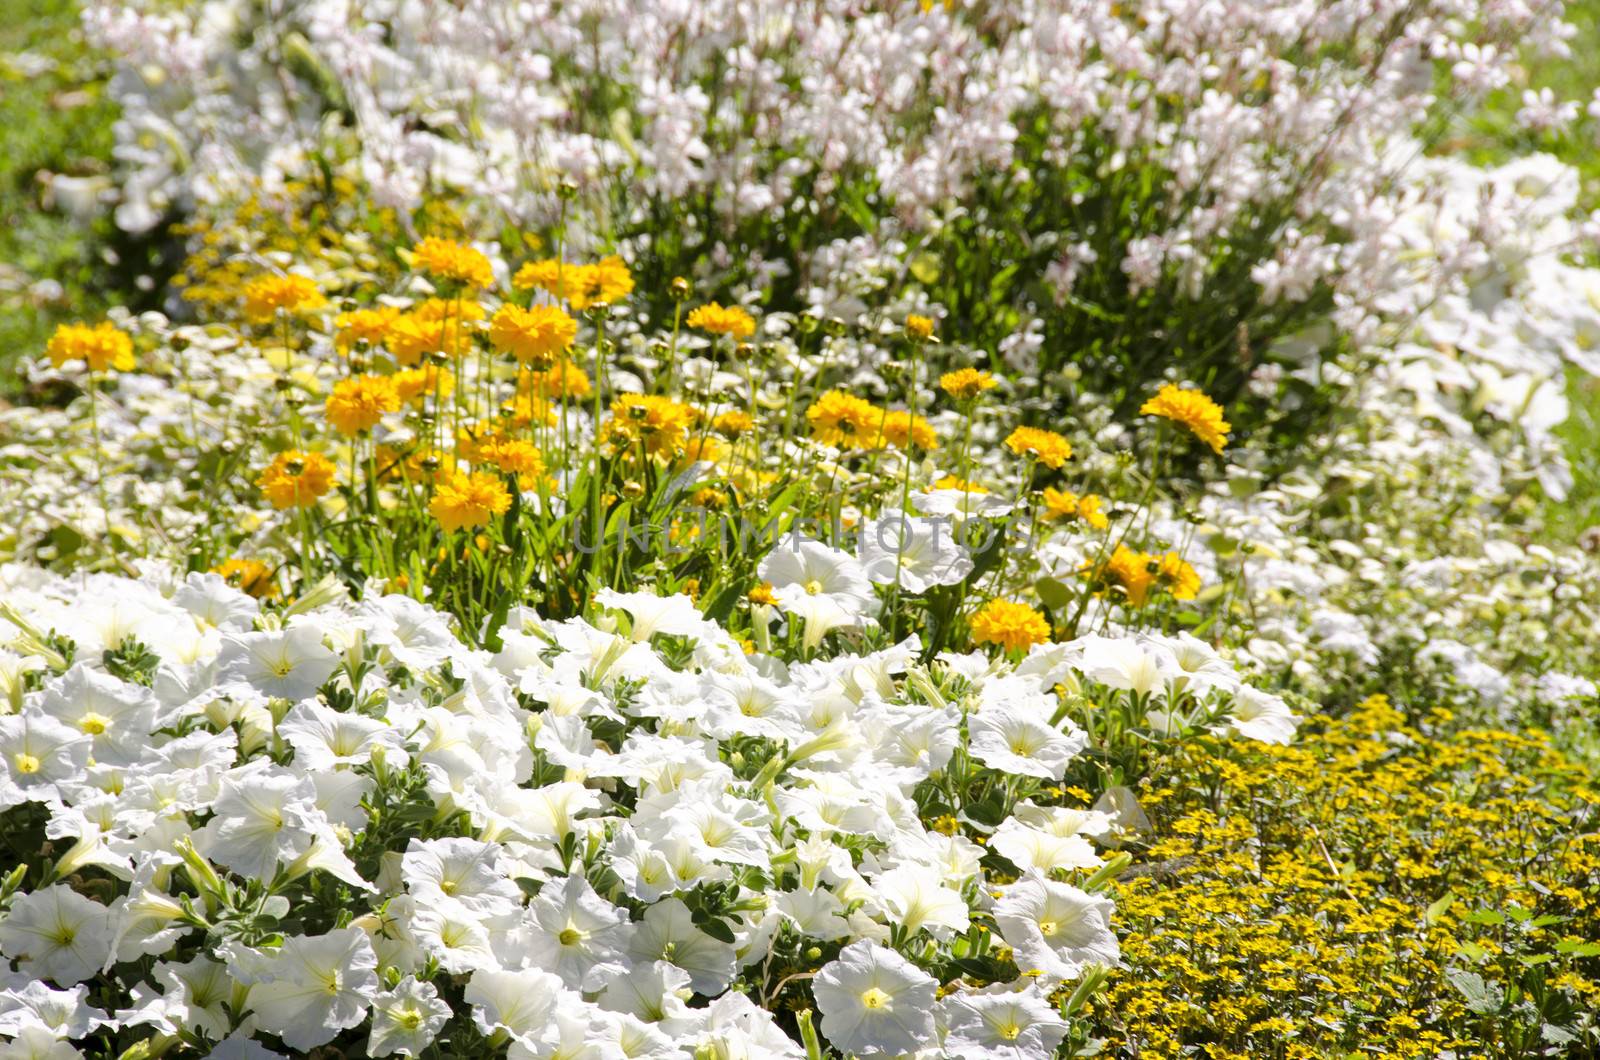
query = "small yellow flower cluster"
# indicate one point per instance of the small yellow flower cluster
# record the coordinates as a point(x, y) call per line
point(1278, 892)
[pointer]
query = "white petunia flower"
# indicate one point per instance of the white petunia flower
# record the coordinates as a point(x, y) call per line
point(667, 933)
point(407, 1019)
point(283, 663)
point(875, 1001)
point(261, 820)
point(118, 717)
point(313, 986)
point(57, 934)
point(460, 870)
point(570, 930)
point(326, 739)
point(824, 587)
point(1258, 715)
point(914, 897)
point(919, 553)
point(1055, 928)
point(1122, 664)
point(1016, 742)
point(999, 1024)
point(37, 752)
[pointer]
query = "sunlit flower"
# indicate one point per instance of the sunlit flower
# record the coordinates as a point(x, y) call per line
point(359, 327)
point(469, 500)
point(407, 1019)
point(919, 327)
point(266, 295)
point(563, 379)
point(513, 456)
point(1047, 447)
point(249, 576)
point(1192, 409)
point(55, 933)
point(296, 479)
point(659, 422)
point(1056, 928)
point(844, 420)
point(1064, 504)
point(416, 384)
point(903, 430)
point(445, 259)
point(964, 384)
point(101, 346)
point(357, 404)
point(533, 335)
point(313, 986)
point(874, 1001)
point(732, 320)
point(1013, 626)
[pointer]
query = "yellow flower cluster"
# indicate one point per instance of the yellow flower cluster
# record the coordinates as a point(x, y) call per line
point(1328, 886)
point(102, 346)
point(533, 336)
point(445, 259)
point(580, 286)
point(846, 421)
point(266, 296)
point(1137, 574)
point(462, 501)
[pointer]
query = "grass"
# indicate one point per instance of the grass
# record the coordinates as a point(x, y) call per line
point(54, 118)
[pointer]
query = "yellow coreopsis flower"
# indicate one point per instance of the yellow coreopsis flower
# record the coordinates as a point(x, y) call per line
point(719, 320)
point(964, 384)
point(358, 403)
point(1194, 410)
point(1064, 504)
point(415, 384)
point(249, 576)
point(101, 346)
point(1013, 626)
point(661, 423)
point(296, 479)
point(445, 259)
point(461, 501)
point(532, 335)
point(844, 420)
point(561, 380)
point(266, 295)
point(919, 327)
point(1047, 447)
point(514, 456)
point(370, 326)
point(902, 430)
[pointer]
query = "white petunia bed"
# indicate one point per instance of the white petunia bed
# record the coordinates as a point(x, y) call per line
point(262, 829)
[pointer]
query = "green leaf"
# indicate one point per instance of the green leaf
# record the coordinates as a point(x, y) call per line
point(1439, 908)
point(1054, 593)
point(1481, 996)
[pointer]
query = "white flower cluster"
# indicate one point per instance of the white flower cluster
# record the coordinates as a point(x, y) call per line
point(757, 109)
point(295, 824)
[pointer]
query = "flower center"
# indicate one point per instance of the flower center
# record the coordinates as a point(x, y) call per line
point(1009, 1031)
point(409, 1017)
point(94, 724)
point(25, 763)
point(1048, 928)
point(813, 587)
point(875, 999)
point(570, 936)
